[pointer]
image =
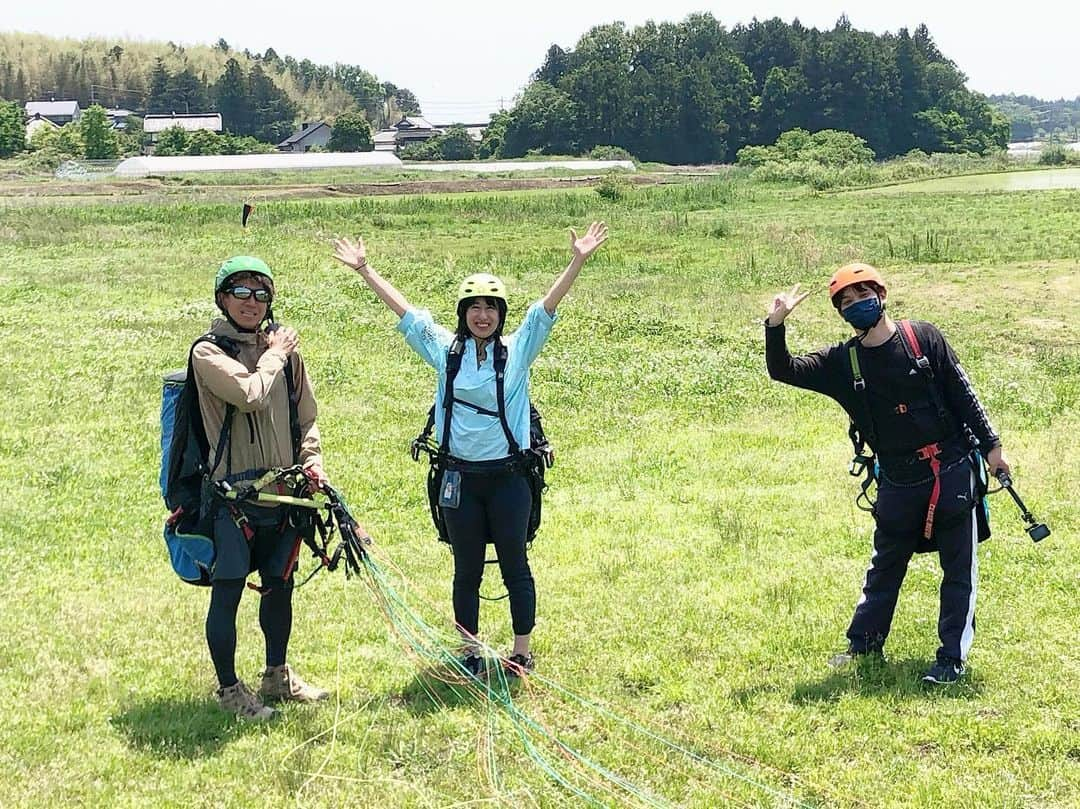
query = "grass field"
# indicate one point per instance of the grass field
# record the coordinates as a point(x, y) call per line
point(1037, 180)
point(700, 554)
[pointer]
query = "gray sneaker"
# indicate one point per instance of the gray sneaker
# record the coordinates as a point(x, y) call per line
point(281, 683)
point(239, 700)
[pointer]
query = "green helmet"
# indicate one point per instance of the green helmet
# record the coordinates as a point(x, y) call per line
point(238, 264)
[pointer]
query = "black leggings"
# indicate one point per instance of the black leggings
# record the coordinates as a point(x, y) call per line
point(494, 507)
point(275, 619)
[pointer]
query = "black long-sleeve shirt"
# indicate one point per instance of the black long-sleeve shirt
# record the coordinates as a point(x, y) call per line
point(896, 412)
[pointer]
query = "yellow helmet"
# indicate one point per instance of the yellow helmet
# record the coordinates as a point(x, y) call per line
point(481, 285)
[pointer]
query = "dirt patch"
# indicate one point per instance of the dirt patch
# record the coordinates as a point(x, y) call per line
point(312, 191)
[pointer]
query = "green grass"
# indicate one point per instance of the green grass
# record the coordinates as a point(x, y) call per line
point(1034, 179)
point(700, 554)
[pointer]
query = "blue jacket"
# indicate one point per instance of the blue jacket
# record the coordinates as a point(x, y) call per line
point(476, 436)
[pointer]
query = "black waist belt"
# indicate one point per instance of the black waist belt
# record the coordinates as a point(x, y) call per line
point(512, 464)
point(951, 449)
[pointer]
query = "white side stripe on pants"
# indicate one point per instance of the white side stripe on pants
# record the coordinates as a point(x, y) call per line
point(968, 635)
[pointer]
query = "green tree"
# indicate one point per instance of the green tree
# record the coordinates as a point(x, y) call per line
point(99, 137)
point(132, 135)
point(68, 141)
point(187, 93)
point(231, 94)
point(492, 142)
point(12, 129)
point(351, 133)
point(780, 105)
point(44, 137)
point(171, 141)
point(158, 100)
point(407, 102)
point(544, 118)
point(273, 112)
point(455, 144)
point(204, 142)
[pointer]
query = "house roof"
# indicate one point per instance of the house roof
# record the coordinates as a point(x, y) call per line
point(55, 108)
point(300, 134)
point(413, 122)
point(188, 121)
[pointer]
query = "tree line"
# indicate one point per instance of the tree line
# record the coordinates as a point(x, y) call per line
point(696, 92)
point(1032, 118)
point(148, 77)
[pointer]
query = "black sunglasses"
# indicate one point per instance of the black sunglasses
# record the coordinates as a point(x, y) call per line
point(243, 293)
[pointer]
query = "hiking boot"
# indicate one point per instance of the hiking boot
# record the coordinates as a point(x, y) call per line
point(473, 664)
point(847, 658)
point(239, 700)
point(281, 683)
point(519, 665)
point(945, 671)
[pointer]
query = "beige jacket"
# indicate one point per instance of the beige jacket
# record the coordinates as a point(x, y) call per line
point(254, 383)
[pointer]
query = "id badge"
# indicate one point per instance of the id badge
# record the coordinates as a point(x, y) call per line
point(450, 489)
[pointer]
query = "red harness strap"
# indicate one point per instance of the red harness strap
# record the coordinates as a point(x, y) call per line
point(930, 453)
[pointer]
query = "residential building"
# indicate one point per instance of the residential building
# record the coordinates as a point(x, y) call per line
point(59, 112)
point(310, 134)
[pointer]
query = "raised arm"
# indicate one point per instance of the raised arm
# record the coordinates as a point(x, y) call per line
point(582, 248)
point(810, 371)
point(354, 255)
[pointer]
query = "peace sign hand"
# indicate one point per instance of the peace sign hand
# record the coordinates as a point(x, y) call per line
point(783, 303)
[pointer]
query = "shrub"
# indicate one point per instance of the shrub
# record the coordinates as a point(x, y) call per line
point(613, 187)
point(1054, 155)
point(610, 153)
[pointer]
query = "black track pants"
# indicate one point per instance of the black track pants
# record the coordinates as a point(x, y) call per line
point(494, 507)
point(901, 514)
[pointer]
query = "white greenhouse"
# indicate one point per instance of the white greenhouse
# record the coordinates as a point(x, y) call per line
point(143, 166)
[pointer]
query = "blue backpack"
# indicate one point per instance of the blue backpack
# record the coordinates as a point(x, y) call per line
point(185, 469)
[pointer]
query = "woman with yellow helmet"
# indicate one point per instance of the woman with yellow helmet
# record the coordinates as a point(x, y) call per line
point(482, 428)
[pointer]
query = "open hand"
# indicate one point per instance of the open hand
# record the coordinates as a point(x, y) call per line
point(783, 303)
point(351, 254)
point(584, 247)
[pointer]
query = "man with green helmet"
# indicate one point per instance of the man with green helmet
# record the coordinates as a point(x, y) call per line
point(482, 428)
point(252, 389)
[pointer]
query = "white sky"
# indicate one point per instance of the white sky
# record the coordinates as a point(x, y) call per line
point(461, 57)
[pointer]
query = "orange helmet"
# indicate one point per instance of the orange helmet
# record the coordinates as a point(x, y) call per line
point(851, 274)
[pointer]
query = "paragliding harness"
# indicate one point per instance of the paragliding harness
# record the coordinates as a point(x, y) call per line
point(533, 462)
point(193, 497)
point(865, 463)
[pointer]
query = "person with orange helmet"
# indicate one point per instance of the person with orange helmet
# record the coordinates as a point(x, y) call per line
point(483, 432)
point(910, 401)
